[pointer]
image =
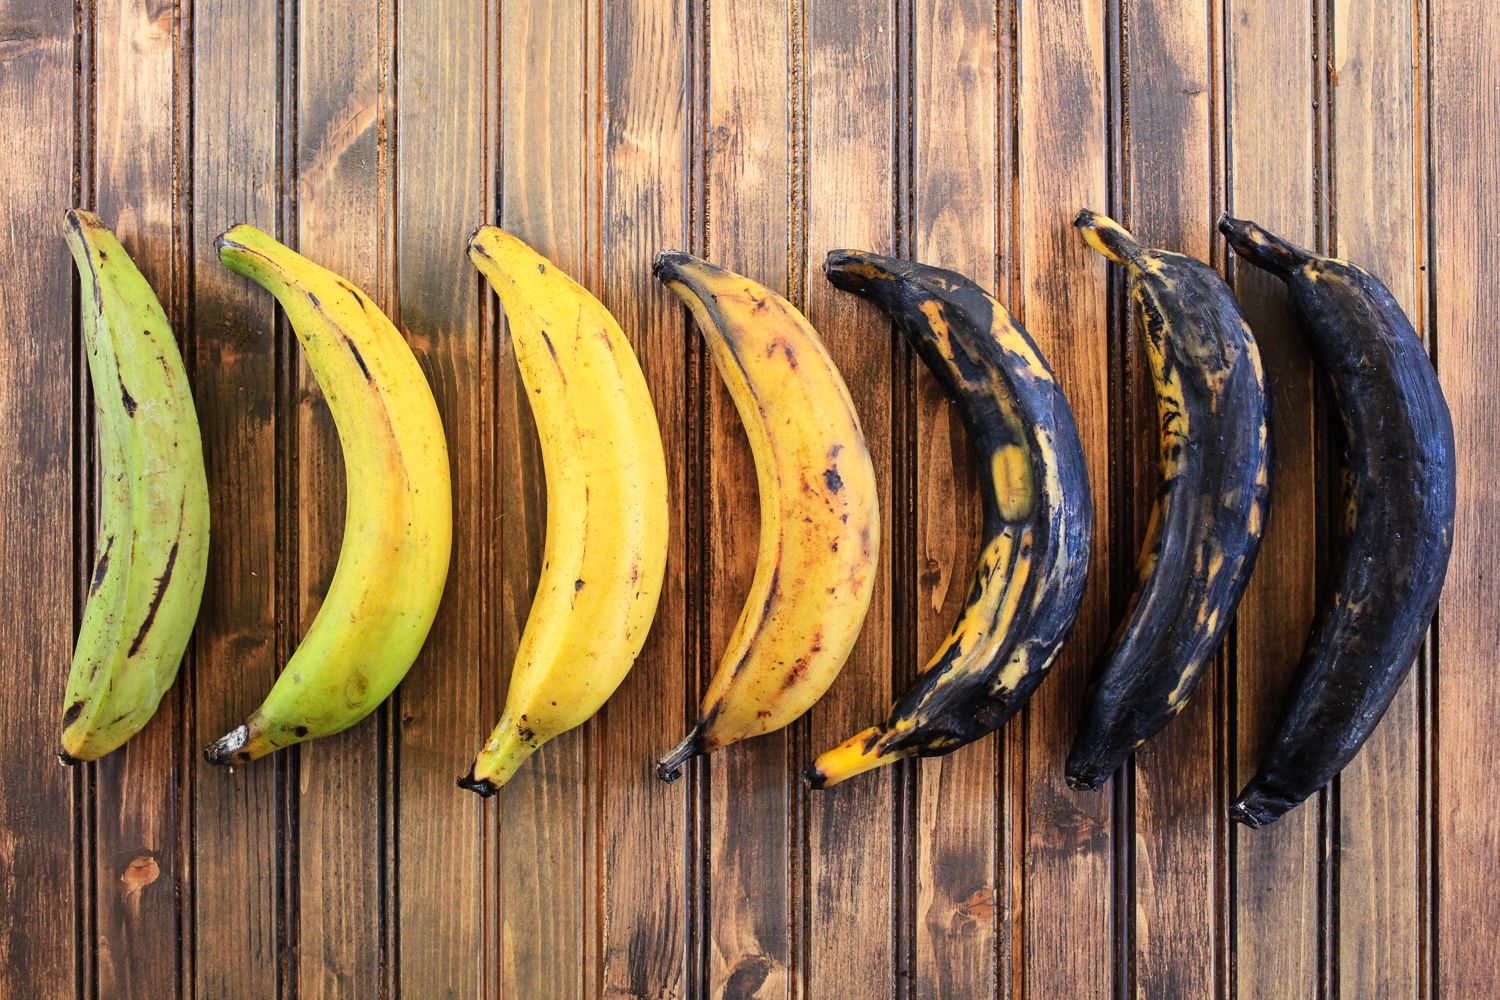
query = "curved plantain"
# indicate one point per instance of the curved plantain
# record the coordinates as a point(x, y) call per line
point(1205, 527)
point(1400, 483)
point(605, 553)
point(153, 525)
point(819, 509)
point(398, 518)
point(1038, 514)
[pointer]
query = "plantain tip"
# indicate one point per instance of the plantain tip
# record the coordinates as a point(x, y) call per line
point(1107, 237)
point(668, 265)
point(1257, 806)
point(669, 767)
point(1262, 247)
point(482, 787)
point(67, 759)
point(227, 749)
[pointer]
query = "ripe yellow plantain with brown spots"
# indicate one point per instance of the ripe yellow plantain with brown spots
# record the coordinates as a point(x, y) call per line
point(398, 518)
point(1038, 514)
point(606, 550)
point(1205, 528)
point(819, 510)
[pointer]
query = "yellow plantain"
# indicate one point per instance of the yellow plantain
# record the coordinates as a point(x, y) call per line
point(606, 549)
point(819, 510)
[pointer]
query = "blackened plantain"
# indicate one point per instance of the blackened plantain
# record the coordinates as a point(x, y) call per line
point(1399, 479)
point(1037, 514)
point(1205, 526)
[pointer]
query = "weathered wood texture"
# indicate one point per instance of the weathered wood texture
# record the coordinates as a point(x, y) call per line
point(374, 135)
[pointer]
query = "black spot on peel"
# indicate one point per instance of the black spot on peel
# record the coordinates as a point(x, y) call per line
point(541, 269)
point(358, 358)
point(316, 302)
point(161, 589)
point(577, 586)
point(300, 732)
point(550, 349)
point(73, 712)
point(102, 566)
point(833, 479)
point(127, 399)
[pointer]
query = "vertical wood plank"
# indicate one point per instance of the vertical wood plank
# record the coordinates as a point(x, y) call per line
point(640, 824)
point(342, 213)
point(1465, 188)
point(546, 948)
point(1377, 177)
point(236, 847)
point(136, 159)
point(850, 139)
point(440, 196)
point(1269, 50)
point(38, 946)
point(957, 189)
point(749, 189)
point(1067, 844)
point(1169, 202)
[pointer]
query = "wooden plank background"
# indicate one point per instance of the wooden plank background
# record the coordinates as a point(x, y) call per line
point(374, 135)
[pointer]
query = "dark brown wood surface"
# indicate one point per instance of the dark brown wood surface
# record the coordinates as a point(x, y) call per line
point(374, 135)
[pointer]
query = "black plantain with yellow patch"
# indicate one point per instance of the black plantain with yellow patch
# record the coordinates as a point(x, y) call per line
point(1399, 472)
point(1205, 526)
point(1038, 515)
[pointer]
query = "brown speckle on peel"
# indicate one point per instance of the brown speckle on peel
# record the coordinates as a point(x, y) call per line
point(141, 872)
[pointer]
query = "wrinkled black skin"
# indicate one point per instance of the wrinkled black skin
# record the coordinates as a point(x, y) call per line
point(956, 711)
point(1198, 325)
point(1399, 452)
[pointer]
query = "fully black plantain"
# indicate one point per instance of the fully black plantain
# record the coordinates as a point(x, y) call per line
point(1037, 514)
point(1206, 525)
point(1398, 525)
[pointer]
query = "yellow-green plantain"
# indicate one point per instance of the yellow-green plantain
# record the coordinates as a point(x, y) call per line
point(398, 520)
point(1038, 514)
point(153, 525)
point(606, 548)
point(819, 509)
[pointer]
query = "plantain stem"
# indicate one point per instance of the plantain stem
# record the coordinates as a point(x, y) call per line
point(1261, 247)
point(669, 768)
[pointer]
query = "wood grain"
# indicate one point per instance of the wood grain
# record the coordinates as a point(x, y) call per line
point(641, 824)
point(441, 193)
point(1380, 223)
point(547, 934)
point(956, 185)
point(1271, 152)
point(852, 841)
point(1065, 853)
point(1466, 188)
point(749, 189)
point(375, 134)
point(343, 221)
point(1169, 198)
point(238, 834)
point(41, 943)
point(136, 155)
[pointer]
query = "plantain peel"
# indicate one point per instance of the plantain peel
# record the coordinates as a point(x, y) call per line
point(1398, 482)
point(398, 518)
point(819, 509)
point(153, 506)
point(1205, 526)
point(1038, 515)
point(605, 555)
